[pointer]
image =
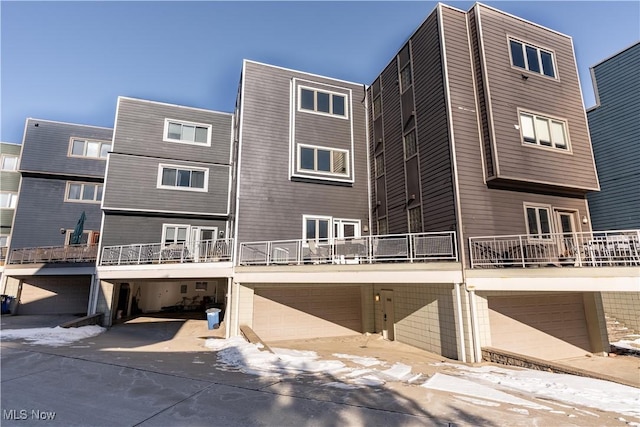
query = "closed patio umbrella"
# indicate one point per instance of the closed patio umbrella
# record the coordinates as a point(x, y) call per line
point(76, 237)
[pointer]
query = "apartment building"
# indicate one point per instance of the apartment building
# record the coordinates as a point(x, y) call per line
point(167, 210)
point(9, 186)
point(62, 172)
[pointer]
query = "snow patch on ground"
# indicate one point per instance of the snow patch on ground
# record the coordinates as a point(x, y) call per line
point(630, 343)
point(364, 361)
point(54, 337)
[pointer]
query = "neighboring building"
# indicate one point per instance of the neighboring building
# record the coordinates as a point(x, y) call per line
point(9, 187)
point(62, 167)
point(167, 200)
point(615, 135)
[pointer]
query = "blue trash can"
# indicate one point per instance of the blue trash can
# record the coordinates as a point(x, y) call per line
point(213, 318)
point(6, 304)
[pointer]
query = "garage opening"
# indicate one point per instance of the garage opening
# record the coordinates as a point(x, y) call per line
point(307, 312)
point(550, 327)
point(55, 295)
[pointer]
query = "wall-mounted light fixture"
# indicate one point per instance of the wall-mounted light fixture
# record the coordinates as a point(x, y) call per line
point(377, 297)
point(524, 77)
point(62, 231)
point(365, 228)
point(221, 234)
point(584, 219)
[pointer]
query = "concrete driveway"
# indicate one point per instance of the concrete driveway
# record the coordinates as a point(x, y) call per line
point(142, 373)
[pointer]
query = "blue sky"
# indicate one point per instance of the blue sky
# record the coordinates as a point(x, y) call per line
point(69, 61)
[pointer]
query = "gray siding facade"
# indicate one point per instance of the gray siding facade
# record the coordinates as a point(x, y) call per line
point(273, 193)
point(9, 183)
point(615, 134)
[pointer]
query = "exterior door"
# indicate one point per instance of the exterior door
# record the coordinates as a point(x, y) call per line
point(567, 242)
point(346, 228)
point(388, 316)
point(202, 241)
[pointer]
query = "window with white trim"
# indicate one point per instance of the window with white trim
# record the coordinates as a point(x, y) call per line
point(318, 101)
point(410, 144)
point(183, 178)
point(174, 234)
point(8, 200)
point(317, 229)
point(543, 131)
point(377, 106)
point(187, 132)
point(321, 160)
point(92, 149)
point(9, 163)
point(89, 237)
point(538, 221)
point(83, 192)
point(405, 78)
point(532, 58)
point(379, 164)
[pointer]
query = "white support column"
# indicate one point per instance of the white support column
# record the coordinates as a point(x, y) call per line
point(230, 300)
point(475, 334)
point(459, 322)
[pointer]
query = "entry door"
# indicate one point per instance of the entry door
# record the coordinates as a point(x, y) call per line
point(346, 228)
point(202, 241)
point(388, 316)
point(566, 225)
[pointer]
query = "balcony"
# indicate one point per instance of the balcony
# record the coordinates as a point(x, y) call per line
point(417, 247)
point(3, 254)
point(161, 253)
point(53, 254)
point(587, 249)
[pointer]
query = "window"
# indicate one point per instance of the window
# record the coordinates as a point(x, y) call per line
point(9, 162)
point(531, 58)
point(83, 192)
point(379, 164)
point(187, 132)
point(4, 240)
point(201, 286)
point(89, 237)
point(543, 131)
point(316, 228)
point(89, 148)
point(183, 178)
point(415, 220)
point(323, 160)
point(323, 102)
point(8, 200)
point(377, 106)
point(174, 234)
point(382, 226)
point(405, 78)
point(538, 223)
point(410, 145)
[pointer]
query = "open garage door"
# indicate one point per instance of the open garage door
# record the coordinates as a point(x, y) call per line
point(55, 295)
point(550, 327)
point(298, 313)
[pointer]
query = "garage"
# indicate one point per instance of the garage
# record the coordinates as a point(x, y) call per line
point(307, 312)
point(54, 295)
point(546, 326)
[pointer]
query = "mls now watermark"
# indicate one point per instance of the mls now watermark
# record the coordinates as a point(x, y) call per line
point(24, 414)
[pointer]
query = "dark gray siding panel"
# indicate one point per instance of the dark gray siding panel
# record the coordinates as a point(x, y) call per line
point(615, 135)
point(140, 127)
point(132, 229)
point(42, 212)
point(132, 184)
point(271, 205)
point(46, 148)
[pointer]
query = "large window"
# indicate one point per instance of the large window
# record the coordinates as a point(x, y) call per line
point(83, 192)
point(334, 104)
point(538, 221)
point(187, 132)
point(174, 234)
point(410, 144)
point(543, 131)
point(330, 161)
point(89, 148)
point(8, 200)
point(317, 229)
point(532, 58)
point(9, 162)
point(183, 178)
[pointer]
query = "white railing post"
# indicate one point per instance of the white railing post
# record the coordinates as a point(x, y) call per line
point(521, 251)
point(410, 237)
point(268, 252)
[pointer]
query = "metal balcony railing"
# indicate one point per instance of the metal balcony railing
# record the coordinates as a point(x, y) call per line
point(53, 254)
point(4, 250)
point(356, 250)
point(160, 253)
point(585, 249)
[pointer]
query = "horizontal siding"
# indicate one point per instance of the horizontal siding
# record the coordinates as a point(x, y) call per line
point(132, 229)
point(46, 148)
point(270, 204)
point(6, 219)
point(144, 195)
point(9, 181)
point(42, 212)
point(559, 98)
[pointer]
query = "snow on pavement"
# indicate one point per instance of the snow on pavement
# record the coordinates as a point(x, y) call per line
point(55, 337)
point(632, 345)
point(485, 386)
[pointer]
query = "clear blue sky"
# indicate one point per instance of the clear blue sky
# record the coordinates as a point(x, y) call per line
point(69, 61)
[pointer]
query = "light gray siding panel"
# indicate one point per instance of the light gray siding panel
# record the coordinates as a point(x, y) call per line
point(140, 127)
point(46, 148)
point(6, 219)
point(556, 98)
point(132, 229)
point(132, 184)
point(271, 204)
point(9, 181)
point(615, 135)
point(42, 212)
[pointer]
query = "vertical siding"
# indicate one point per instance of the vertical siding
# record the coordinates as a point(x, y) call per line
point(271, 204)
point(615, 131)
